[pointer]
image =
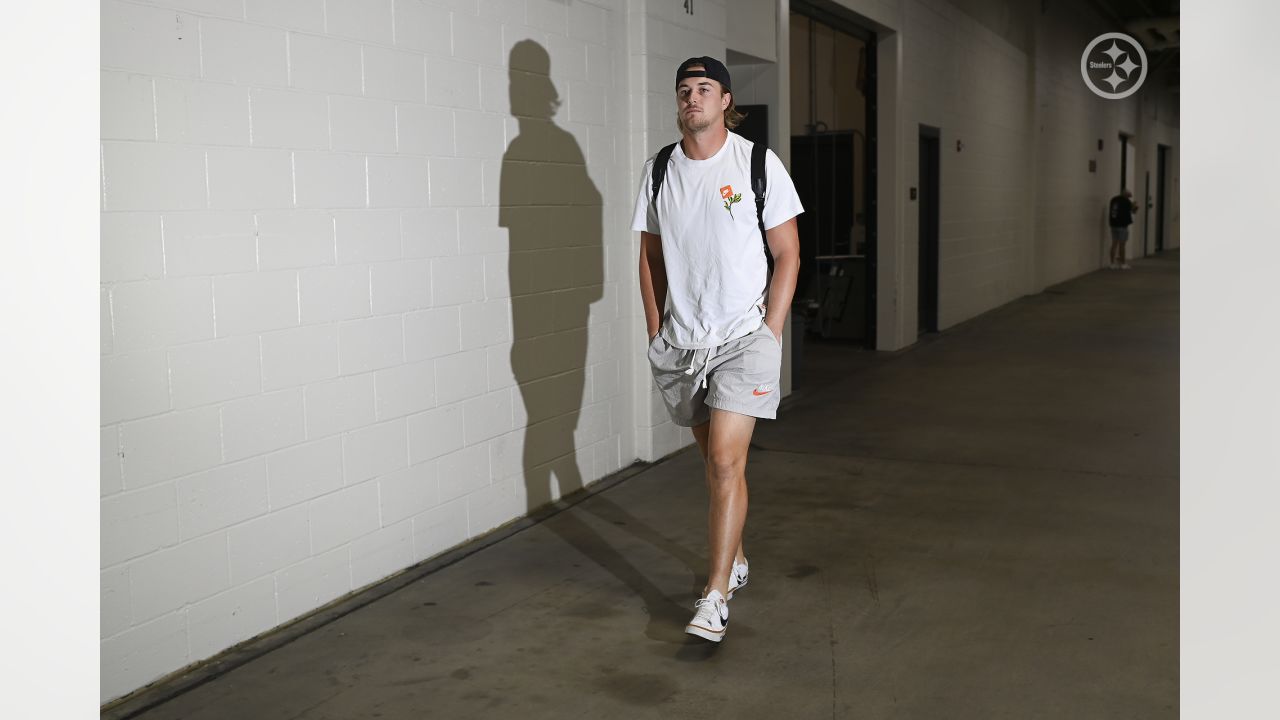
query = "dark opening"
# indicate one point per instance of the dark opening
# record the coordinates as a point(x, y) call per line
point(755, 126)
point(833, 166)
point(1146, 211)
point(1162, 159)
point(930, 160)
point(1124, 162)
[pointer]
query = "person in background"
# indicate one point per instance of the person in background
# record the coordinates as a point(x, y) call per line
point(1120, 216)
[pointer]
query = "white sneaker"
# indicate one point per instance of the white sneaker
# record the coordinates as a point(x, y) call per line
point(711, 618)
point(737, 578)
point(1124, 266)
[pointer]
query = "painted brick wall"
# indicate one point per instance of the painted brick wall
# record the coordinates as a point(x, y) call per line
point(1071, 228)
point(359, 297)
point(963, 78)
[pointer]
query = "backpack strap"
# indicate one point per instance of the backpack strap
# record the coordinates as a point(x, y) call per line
point(759, 184)
point(659, 172)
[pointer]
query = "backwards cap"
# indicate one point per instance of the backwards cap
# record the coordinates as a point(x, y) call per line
point(713, 69)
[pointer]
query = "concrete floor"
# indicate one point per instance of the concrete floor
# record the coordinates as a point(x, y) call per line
point(984, 526)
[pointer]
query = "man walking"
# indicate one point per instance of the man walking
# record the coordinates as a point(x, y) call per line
point(714, 313)
point(1120, 216)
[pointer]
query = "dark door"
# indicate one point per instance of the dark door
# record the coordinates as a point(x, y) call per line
point(1146, 212)
point(823, 172)
point(755, 126)
point(833, 164)
point(1124, 163)
point(833, 269)
point(1162, 157)
point(928, 209)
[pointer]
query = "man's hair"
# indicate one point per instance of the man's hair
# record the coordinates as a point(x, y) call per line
point(732, 118)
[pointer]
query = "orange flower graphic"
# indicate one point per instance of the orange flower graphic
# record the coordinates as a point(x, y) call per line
point(730, 197)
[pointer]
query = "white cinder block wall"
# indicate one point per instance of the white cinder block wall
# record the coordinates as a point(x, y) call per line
point(965, 79)
point(322, 361)
point(1071, 234)
point(368, 284)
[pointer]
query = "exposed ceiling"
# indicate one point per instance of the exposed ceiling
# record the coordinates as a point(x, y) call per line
point(1155, 24)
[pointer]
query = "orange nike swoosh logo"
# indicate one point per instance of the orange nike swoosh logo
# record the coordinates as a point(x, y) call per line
point(757, 392)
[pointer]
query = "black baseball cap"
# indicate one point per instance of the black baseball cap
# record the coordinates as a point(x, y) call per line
point(712, 68)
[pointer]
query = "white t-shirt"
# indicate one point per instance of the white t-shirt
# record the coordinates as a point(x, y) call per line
point(714, 255)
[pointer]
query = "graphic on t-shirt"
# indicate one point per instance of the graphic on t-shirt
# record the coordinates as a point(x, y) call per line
point(730, 198)
point(716, 266)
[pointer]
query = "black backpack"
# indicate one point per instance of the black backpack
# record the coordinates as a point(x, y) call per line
point(1120, 214)
point(758, 186)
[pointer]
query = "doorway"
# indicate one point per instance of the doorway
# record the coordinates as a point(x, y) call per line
point(927, 295)
point(1146, 211)
point(1162, 164)
point(1128, 151)
point(833, 167)
point(755, 124)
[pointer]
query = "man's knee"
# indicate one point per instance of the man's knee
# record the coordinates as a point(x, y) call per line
point(724, 466)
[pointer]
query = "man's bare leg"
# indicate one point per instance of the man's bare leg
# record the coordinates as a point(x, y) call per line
point(700, 433)
point(728, 438)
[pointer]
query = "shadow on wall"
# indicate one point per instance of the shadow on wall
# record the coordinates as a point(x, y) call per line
point(553, 214)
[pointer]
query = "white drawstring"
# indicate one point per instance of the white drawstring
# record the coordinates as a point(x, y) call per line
point(694, 367)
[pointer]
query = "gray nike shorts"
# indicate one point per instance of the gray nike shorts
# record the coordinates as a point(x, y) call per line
point(741, 375)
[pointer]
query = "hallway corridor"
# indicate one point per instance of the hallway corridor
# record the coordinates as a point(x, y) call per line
point(983, 526)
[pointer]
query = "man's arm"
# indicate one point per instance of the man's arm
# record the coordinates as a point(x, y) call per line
point(784, 245)
point(653, 280)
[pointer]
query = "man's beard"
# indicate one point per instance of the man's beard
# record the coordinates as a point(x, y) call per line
point(694, 125)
